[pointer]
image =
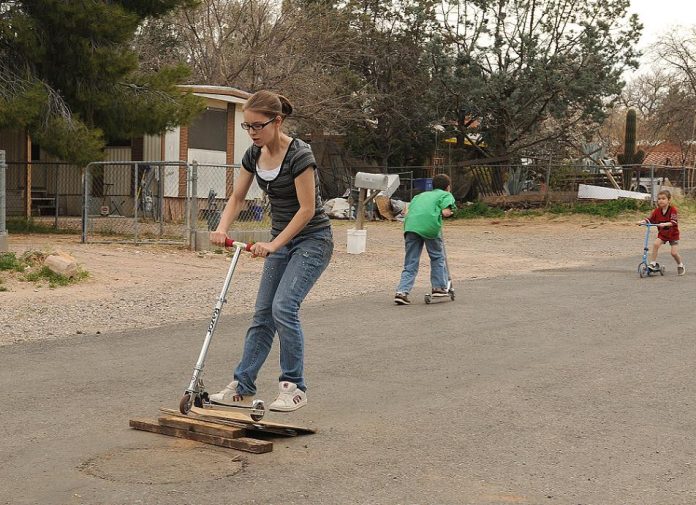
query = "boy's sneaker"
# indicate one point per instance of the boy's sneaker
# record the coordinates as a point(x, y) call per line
point(230, 397)
point(681, 269)
point(289, 398)
point(439, 292)
point(654, 267)
point(401, 299)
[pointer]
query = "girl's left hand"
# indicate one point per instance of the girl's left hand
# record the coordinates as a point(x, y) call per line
point(262, 249)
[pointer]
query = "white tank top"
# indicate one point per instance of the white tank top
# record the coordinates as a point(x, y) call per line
point(268, 175)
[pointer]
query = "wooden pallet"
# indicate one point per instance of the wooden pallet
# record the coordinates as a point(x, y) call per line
point(222, 428)
point(205, 432)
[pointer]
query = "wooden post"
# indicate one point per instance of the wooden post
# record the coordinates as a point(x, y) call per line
point(360, 217)
point(547, 181)
point(613, 182)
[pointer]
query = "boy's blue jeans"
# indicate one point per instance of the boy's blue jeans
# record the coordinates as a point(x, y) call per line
point(288, 275)
point(414, 247)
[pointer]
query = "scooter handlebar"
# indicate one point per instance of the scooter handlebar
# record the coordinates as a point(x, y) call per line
point(647, 224)
point(231, 243)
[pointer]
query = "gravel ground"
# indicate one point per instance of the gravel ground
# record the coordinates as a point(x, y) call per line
point(141, 287)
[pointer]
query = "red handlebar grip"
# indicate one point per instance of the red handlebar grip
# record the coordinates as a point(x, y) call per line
point(229, 243)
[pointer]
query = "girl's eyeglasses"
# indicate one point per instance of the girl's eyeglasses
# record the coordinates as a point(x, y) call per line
point(256, 126)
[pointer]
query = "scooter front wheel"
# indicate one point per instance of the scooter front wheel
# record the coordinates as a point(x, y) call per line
point(428, 299)
point(643, 270)
point(185, 403)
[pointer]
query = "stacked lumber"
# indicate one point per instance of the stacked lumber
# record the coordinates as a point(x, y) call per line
point(203, 431)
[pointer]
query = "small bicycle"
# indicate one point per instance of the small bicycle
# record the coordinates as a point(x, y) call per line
point(644, 269)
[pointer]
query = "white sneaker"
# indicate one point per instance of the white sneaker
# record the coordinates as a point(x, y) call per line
point(289, 398)
point(681, 269)
point(230, 397)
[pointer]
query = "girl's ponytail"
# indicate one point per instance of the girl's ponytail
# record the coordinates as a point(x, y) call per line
point(285, 105)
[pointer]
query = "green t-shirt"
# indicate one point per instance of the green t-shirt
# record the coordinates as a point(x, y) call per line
point(424, 215)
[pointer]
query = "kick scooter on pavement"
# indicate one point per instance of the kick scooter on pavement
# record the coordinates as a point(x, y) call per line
point(195, 394)
point(429, 298)
point(644, 269)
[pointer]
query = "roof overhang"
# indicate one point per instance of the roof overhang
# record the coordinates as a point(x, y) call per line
point(221, 98)
point(222, 93)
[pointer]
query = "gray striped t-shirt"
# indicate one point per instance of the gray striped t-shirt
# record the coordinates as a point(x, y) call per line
point(281, 190)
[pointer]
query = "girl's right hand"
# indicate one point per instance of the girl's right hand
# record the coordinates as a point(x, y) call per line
point(218, 237)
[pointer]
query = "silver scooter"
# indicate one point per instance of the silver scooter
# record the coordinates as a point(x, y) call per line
point(195, 394)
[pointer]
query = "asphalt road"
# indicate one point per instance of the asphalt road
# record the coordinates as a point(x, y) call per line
point(551, 387)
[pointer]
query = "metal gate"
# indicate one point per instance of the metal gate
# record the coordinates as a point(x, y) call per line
point(136, 201)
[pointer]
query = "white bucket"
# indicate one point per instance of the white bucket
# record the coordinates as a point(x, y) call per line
point(357, 239)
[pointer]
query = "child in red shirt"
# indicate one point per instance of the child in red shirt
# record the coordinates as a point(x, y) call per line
point(665, 217)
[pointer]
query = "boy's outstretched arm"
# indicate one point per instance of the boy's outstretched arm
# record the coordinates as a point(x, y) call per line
point(447, 212)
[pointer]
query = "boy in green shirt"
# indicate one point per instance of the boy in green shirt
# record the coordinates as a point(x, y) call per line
point(423, 226)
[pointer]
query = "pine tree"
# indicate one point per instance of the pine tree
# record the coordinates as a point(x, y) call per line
point(72, 79)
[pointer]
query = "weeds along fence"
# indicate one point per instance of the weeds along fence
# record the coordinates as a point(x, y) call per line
point(162, 201)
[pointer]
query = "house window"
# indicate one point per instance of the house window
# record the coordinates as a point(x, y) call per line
point(209, 131)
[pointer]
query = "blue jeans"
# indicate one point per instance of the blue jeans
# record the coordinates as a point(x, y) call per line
point(288, 275)
point(438, 268)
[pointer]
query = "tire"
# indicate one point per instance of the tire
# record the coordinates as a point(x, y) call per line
point(643, 270)
point(258, 410)
point(428, 299)
point(185, 404)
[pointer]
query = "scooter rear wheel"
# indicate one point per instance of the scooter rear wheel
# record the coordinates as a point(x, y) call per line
point(428, 299)
point(258, 410)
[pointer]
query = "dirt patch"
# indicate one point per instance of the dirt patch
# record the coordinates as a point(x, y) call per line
point(133, 287)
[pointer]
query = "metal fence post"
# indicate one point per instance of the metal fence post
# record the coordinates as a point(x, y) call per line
point(160, 199)
point(56, 196)
point(652, 184)
point(193, 217)
point(3, 204)
point(411, 185)
point(136, 203)
point(85, 188)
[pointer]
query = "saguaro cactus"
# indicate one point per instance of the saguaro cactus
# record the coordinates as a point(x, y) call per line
point(630, 159)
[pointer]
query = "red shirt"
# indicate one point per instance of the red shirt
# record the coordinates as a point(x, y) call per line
point(668, 216)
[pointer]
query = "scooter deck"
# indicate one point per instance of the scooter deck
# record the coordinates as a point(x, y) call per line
point(243, 420)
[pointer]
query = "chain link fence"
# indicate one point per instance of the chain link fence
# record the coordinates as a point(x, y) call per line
point(55, 198)
point(538, 181)
point(170, 201)
point(155, 201)
point(136, 201)
point(212, 187)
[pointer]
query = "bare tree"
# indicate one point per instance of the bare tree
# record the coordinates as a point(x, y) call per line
point(298, 50)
